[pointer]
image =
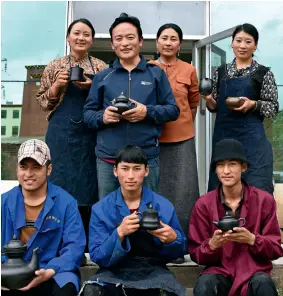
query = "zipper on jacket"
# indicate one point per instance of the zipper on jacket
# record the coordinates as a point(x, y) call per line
point(129, 91)
point(129, 96)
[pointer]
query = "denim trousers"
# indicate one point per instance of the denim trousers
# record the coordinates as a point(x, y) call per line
point(108, 183)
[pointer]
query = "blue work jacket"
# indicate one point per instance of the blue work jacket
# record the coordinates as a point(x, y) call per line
point(105, 247)
point(147, 84)
point(59, 232)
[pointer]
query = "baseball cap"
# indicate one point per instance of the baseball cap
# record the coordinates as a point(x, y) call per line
point(35, 149)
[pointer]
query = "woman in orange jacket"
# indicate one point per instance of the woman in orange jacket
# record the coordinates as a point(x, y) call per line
point(178, 168)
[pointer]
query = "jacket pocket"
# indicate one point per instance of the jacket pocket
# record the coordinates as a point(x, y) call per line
point(183, 84)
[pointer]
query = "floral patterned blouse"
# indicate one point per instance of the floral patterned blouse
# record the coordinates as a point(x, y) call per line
point(268, 105)
point(44, 97)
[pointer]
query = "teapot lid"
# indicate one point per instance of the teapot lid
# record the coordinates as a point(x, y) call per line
point(122, 97)
point(150, 209)
point(14, 246)
point(228, 215)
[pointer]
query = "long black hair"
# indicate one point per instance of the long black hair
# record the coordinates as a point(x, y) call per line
point(84, 21)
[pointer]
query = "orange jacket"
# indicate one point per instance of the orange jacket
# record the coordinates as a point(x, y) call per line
point(184, 83)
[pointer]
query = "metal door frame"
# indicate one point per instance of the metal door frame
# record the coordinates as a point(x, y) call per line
point(197, 47)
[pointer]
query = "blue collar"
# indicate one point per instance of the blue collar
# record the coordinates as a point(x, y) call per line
point(18, 210)
point(146, 199)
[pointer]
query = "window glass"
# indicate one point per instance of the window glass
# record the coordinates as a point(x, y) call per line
point(3, 113)
point(3, 130)
point(15, 131)
point(16, 113)
point(189, 15)
point(32, 35)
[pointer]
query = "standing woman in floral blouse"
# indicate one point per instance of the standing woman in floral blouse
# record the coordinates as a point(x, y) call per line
point(70, 141)
point(255, 83)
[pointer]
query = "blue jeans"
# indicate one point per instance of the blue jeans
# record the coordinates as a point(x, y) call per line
point(108, 183)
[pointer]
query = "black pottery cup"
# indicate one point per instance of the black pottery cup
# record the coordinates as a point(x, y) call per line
point(77, 74)
point(205, 86)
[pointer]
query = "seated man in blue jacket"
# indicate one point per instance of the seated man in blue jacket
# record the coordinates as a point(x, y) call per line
point(147, 86)
point(133, 259)
point(43, 216)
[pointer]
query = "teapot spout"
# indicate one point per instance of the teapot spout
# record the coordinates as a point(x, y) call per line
point(33, 265)
point(216, 223)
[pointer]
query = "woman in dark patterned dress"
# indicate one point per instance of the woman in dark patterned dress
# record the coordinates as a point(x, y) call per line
point(255, 83)
point(70, 141)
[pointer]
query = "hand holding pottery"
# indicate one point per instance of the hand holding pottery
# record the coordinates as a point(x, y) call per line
point(234, 102)
point(123, 104)
point(15, 272)
point(205, 86)
point(150, 219)
point(228, 222)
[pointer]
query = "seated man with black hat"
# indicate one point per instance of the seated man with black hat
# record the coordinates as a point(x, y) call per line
point(238, 261)
point(132, 254)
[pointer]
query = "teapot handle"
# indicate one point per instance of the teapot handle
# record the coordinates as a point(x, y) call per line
point(244, 221)
point(133, 105)
point(139, 213)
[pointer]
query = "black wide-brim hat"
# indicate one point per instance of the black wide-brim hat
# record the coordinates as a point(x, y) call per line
point(228, 149)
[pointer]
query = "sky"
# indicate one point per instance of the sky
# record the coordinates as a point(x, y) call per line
point(33, 33)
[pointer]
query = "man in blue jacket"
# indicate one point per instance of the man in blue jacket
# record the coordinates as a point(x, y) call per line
point(147, 86)
point(133, 259)
point(43, 215)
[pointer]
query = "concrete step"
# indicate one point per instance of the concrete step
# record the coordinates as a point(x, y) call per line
point(188, 272)
point(190, 291)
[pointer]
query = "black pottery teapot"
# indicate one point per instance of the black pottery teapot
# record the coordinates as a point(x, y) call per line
point(228, 222)
point(15, 272)
point(123, 104)
point(77, 74)
point(205, 86)
point(150, 219)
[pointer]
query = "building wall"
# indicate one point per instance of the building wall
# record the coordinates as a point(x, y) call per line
point(190, 15)
point(34, 121)
point(9, 122)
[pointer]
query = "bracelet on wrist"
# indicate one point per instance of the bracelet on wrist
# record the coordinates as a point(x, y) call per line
point(254, 106)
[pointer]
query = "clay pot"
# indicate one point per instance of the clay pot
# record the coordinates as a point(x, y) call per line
point(15, 272)
point(234, 102)
point(77, 74)
point(123, 104)
point(205, 86)
point(150, 219)
point(228, 222)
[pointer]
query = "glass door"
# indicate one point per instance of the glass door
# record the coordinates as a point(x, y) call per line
point(208, 54)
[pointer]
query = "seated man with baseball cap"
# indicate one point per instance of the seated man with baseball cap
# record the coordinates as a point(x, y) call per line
point(238, 261)
point(43, 215)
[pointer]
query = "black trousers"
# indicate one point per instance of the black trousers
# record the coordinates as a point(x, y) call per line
point(112, 290)
point(218, 285)
point(49, 288)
